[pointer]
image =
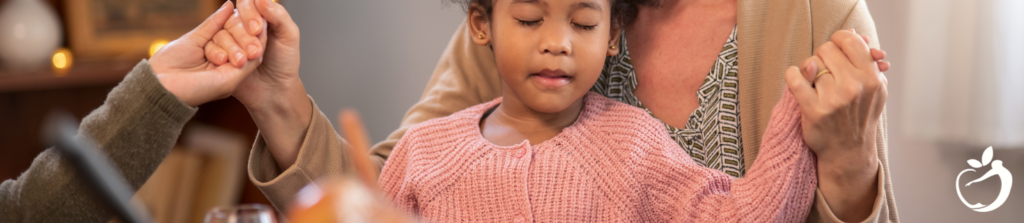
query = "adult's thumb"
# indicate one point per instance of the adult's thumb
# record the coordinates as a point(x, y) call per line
point(205, 32)
point(800, 86)
point(278, 20)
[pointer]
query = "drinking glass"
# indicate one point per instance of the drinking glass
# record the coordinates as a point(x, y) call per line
point(246, 213)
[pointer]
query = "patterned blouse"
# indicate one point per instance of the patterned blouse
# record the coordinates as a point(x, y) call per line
point(712, 132)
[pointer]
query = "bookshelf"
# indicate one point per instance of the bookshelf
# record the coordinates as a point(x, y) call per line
point(84, 74)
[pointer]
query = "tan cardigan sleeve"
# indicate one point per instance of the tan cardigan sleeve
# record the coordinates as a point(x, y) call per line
point(858, 18)
point(136, 127)
point(466, 75)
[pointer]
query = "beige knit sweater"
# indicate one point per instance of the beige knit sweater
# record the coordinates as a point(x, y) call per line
point(137, 126)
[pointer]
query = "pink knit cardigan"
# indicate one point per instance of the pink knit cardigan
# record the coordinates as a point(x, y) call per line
point(616, 163)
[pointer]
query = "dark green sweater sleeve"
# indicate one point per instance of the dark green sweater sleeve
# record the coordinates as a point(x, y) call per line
point(136, 126)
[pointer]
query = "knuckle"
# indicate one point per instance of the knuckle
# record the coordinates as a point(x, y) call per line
point(222, 34)
point(842, 34)
point(827, 47)
point(848, 41)
point(233, 20)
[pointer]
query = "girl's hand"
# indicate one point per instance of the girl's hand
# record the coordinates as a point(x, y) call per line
point(841, 111)
point(273, 94)
point(182, 69)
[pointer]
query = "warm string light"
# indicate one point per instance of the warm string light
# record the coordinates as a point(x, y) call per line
point(156, 46)
point(62, 61)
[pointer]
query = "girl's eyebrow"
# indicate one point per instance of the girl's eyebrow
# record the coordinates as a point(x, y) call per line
point(525, 2)
point(579, 5)
point(590, 5)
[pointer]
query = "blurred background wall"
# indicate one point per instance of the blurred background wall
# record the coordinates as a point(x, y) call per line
point(372, 55)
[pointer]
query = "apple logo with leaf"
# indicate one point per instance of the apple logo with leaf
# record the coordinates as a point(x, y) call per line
point(997, 170)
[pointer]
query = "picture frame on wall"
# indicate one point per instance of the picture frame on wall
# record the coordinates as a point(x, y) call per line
point(124, 29)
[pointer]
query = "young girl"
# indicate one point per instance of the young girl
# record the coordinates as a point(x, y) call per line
point(550, 151)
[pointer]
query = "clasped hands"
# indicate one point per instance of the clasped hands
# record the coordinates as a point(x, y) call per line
point(250, 53)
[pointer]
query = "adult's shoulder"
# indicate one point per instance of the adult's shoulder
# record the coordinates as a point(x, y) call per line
point(827, 17)
point(834, 5)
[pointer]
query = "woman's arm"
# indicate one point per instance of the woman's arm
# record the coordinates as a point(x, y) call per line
point(296, 146)
point(853, 172)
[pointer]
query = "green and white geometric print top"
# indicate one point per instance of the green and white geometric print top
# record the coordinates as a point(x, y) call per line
point(712, 132)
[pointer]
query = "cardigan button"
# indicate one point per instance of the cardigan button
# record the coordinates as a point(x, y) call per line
point(520, 153)
point(519, 218)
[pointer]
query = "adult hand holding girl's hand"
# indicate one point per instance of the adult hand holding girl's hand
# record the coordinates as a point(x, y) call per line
point(273, 93)
point(182, 69)
point(841, 110)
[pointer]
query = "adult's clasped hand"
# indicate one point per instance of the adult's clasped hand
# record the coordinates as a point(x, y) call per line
point(184, 70)
point(842, 92)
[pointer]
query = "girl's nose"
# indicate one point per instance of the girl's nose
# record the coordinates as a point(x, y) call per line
point(555, 40)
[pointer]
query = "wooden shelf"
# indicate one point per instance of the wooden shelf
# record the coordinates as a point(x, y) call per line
point(83, 74)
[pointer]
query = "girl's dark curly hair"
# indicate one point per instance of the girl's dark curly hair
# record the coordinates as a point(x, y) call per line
point(623, 11)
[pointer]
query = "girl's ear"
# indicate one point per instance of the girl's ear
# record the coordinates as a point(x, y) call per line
point(479, 24)
point(613, 42)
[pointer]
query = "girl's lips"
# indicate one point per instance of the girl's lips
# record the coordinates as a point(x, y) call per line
point(549, 79)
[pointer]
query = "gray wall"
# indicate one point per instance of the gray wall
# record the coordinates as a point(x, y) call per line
point(924, 172)
point(372, 55)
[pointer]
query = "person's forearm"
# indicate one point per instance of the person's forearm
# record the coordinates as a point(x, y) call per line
point(849, 184)
point(136, 127)
point(283, 120)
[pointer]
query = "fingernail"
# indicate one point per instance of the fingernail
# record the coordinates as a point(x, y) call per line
point(253, 49)
point(239, 57)
point(254, 26)
point(811, 66)
point(270, 3)
point(222, 57)
point(853, 30)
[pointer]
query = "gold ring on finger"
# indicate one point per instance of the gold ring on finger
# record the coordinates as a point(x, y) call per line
point(820, 73)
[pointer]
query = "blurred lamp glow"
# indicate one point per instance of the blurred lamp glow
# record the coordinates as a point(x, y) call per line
point(156, 46)
point(62, 61)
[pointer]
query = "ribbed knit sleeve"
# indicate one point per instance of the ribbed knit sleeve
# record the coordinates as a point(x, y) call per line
point(779, 187)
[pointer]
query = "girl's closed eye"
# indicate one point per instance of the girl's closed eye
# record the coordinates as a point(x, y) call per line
point(529, 22)
point(584, 27)
point(537, 22)
point(586, 19)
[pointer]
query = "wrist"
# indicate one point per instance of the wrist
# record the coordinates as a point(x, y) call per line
point(283, 118)
point(848, 164)
point(175, 88)
point(282, 101)
point(849, 183)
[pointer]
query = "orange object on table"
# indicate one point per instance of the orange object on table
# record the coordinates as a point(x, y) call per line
point(351, 198)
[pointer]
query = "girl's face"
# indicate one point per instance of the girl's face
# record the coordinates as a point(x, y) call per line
point(550, 52)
